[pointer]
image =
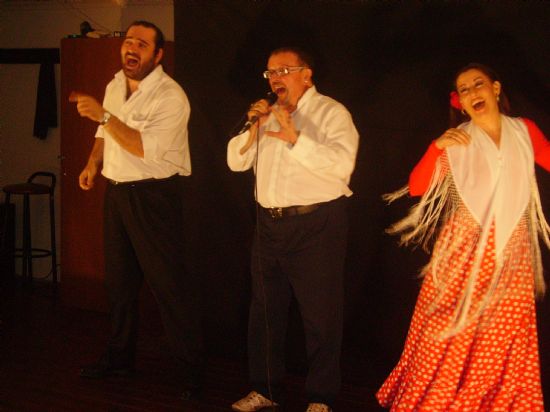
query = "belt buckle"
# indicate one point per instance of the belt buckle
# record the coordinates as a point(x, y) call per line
point(276, 212)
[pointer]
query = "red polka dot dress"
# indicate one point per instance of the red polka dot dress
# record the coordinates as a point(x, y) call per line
point(492, 362)
point(492, 365)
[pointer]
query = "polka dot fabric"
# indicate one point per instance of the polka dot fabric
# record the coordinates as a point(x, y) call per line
point(490, 365)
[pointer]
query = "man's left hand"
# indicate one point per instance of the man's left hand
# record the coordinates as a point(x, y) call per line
point(287, 133)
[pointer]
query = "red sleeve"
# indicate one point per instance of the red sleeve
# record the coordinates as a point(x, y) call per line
point(541, 146)
point(420, 177)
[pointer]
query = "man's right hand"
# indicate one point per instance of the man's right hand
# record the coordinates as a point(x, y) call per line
point(87, 177)
point(87, 106)
point(259, 109)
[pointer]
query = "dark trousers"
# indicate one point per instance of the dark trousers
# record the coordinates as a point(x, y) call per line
point(302, 255)
point(143, 234)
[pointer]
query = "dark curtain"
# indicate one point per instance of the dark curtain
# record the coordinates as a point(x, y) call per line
point(391, 64)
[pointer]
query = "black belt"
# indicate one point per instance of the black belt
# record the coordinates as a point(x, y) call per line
point(280, 212)
point(133, 182)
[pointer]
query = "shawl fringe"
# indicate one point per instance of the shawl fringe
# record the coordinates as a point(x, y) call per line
point(538, 227)
point(440, 206)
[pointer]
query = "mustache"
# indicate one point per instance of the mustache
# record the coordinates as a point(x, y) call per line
point(131, 54)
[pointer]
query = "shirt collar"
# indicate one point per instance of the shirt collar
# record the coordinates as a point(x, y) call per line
point(306, 96)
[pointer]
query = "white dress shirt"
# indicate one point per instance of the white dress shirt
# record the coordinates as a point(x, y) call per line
point(159, 110)
point(315, 169)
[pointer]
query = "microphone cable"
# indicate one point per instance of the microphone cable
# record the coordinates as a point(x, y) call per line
point(261, 276)
point(271, 98)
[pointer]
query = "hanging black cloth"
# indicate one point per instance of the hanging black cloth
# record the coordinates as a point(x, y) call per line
point(46, 97)
point(46, 101)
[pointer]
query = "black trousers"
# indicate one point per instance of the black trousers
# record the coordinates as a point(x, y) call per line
point(143, 234)
point(302, 255)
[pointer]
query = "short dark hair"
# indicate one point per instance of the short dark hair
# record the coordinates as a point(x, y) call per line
point(456, 116)
point(159, 36)
point(303, 56)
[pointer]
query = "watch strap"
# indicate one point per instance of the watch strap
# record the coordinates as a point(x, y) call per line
point(106, 118)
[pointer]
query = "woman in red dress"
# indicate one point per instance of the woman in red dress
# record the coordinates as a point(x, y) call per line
point(472, 343)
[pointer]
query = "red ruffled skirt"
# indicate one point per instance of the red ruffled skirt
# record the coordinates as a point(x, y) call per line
point(490, 365)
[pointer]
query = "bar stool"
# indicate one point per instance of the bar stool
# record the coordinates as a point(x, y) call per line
point(27, 252)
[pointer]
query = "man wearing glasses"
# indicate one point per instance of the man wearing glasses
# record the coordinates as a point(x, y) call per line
point(303, 151)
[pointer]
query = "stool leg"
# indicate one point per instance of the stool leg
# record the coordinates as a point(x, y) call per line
point(53, 247)
point(7, 248)
point(4, 246)
point(26, 252)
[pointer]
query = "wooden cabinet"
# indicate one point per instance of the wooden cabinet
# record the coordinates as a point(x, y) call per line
point(87, 65)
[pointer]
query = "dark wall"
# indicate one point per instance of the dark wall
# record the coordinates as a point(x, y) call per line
point(391, 64)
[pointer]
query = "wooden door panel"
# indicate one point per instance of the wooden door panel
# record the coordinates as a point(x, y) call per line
point(87, 65)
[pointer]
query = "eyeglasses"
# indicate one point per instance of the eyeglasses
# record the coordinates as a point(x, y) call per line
point(283, 71)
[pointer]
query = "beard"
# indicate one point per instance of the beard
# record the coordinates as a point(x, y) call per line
point(136, 69)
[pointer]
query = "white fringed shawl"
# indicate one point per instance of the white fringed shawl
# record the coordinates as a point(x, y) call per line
point(476, 186)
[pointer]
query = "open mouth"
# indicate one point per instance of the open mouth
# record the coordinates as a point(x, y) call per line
point(478, 105)
point(279, 89)
point(131, 61)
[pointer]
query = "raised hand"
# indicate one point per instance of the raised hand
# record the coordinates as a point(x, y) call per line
point(452, 137)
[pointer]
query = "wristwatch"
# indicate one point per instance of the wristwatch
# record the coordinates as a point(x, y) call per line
point(106, 118)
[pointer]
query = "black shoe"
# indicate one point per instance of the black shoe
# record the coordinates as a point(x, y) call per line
point(103, 369)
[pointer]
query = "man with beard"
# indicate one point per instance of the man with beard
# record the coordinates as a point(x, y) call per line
point(303, 152)
point(142, 143)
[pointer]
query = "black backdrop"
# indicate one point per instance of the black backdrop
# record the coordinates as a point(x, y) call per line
point(391, 64)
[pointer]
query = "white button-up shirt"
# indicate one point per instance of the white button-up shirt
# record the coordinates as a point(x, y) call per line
point(316, 169)
point(159, 110)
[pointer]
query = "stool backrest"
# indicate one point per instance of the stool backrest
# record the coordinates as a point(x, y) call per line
point(49, 175)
